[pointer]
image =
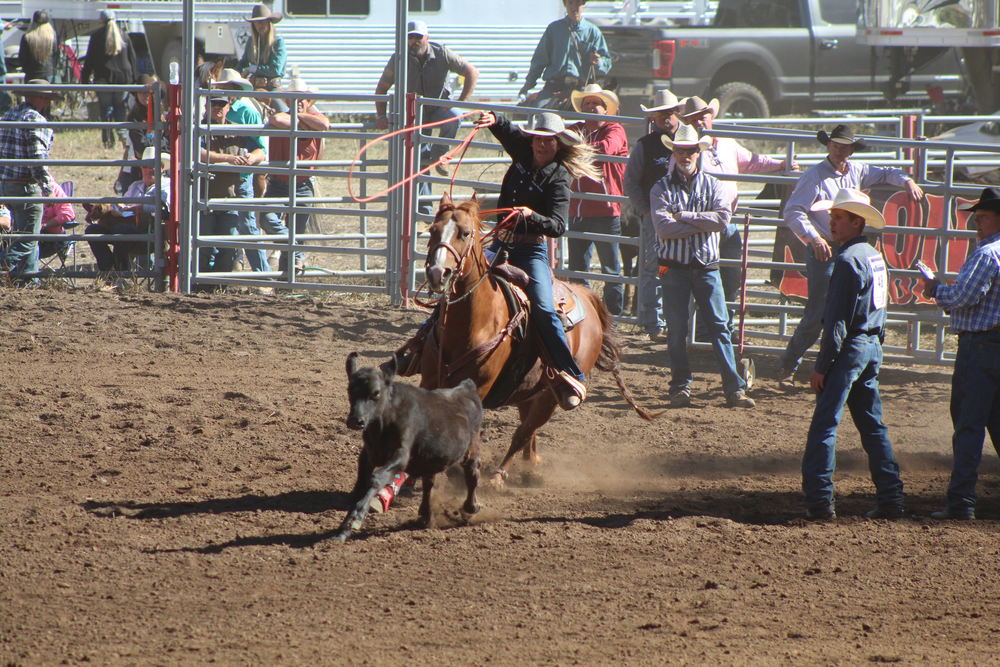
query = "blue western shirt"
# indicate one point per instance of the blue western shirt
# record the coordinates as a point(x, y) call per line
point(565, 49)
point(856, 302)
point(973, 301)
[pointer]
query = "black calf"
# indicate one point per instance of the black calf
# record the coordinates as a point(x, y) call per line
point(409, 429)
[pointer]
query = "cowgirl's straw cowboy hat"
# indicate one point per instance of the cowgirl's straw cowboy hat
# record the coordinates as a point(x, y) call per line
point(548, 124)
point(231, 77)
point(686, 137)
point(853, 201)
point(841, 135)
point(989, 200)
point(594, 90)
point(264, 13)
point(663, 100)
point(695, 106)
point(36, 88)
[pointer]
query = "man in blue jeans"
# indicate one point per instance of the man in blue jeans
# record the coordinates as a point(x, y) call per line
point(689, 211)
point(973, 302)
point(850, 355)
point(821, 183)
point(26, 180)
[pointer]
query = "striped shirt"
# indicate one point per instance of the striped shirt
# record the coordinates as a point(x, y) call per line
point(973, 301)
point(688, 215)
point(25, 143)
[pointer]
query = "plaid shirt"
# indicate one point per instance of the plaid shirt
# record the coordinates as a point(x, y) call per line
point(25, 143)
point(973, 301)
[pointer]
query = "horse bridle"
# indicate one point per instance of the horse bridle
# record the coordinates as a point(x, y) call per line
point(459, 260)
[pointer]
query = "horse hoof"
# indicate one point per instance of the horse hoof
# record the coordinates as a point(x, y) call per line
point(471, 508)
point(341, 537)
point(497, 481)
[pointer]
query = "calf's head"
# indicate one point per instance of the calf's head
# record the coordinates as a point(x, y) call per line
point(368, 391)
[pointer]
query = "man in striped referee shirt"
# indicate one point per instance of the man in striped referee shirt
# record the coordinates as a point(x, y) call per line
point(689, 211)
point(973, 301)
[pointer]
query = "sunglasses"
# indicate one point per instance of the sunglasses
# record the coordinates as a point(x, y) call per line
point(678, 150)
point(219, 103)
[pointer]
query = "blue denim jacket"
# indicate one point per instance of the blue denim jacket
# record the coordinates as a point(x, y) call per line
point(856, 301)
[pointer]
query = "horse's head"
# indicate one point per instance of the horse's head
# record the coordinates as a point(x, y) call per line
point(455, 235)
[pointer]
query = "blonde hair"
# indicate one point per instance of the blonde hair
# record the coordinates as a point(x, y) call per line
point(113, 40)
point(579, 160)
point(261, 46)
point(41, 39)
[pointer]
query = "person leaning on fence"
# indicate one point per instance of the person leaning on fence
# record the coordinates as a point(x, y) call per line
point(600, 217)
point(126, 219)
point(571, 53)
point(427, 68)
point(689, 212)
point(245, 111)
point(847, 366)
point(309, 119)
point(727, 156)
point(31, 180)
point(263, 60)
point(39, 48)
point(647, 164)
point(230, 150)
point(973, 302)
point(110, 59)
point(822, 182)
point(139, 138)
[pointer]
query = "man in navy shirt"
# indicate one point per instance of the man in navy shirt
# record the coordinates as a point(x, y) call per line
point(848, 363)
point(973, 302)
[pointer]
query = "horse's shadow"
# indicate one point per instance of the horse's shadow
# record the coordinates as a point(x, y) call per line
point(303, 502)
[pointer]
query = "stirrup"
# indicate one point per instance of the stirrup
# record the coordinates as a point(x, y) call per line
point(568, 390)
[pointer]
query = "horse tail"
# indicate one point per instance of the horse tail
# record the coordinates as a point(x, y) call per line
point(609, 359)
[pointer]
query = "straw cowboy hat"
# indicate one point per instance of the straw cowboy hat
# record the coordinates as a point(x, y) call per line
point(36, 88)
point(231, 76)
point(594, 90)
point(548, 124)
point(149, 153)
point(695, 106)
point(686, 137)
point(989, 200)
point(853, 201)
point(841, 135)
point(264, 13)
point(663, 100)
point(299, 85)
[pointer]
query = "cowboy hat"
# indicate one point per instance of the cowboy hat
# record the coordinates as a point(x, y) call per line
point(695, 106)
point(36, 88)
point(299, 85)
point(548, 124)
point(989, 200)
point(264, 13)
point(149, 153)
point(231, 76)
point(686, 137)
point(841, 135)
point(853, 201)
point(663, 100)
point(608, 97)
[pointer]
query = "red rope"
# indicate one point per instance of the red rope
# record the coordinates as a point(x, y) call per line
point(444, 159)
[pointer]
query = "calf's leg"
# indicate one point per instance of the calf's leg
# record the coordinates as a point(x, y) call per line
point(425, 502)
point(471, 467)
point(379, 478)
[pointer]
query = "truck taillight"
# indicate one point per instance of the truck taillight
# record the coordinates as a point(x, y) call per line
point(664, 52)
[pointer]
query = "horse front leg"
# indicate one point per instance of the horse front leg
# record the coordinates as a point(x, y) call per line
point(471, 468)
point(534, 414)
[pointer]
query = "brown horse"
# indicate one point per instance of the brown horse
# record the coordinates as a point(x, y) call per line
point(473, 335)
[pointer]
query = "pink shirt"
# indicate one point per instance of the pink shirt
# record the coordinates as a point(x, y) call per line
point(54, 216)
point(726, 156)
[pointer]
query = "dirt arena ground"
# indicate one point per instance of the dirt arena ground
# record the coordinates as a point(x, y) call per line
point(172, 468)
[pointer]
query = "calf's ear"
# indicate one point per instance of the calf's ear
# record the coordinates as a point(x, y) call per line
point(389, 368)
point(352, 363)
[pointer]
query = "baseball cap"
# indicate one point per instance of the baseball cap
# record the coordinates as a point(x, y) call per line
point(417, 27)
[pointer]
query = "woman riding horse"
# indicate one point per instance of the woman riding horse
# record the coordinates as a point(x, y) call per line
point(545, 158)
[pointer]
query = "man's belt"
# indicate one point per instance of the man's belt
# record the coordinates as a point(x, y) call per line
point(527, 238)
point(992, 330)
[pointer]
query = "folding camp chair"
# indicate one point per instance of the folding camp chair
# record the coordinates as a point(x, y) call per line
point(50, 252)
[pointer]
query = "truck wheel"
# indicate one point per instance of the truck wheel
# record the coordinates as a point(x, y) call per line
point(741, 100)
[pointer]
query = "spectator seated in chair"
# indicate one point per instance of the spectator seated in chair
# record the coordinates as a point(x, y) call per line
point(56, 217)
point(127, 218)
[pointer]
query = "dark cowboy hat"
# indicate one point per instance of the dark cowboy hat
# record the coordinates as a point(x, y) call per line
point(37, 88)
point(264, 13)
point(841, 135)
point(989, 200)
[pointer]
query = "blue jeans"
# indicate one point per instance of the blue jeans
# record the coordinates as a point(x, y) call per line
point(811, 325)
point(975, 408)
point(218, 223)
point(853, 380)
point(649, 292)
point(21, 257)
point(581, 252)
point(273, 223)
point(247, 225)
point(114, 106)
point(679, 284)
point(533, 258)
